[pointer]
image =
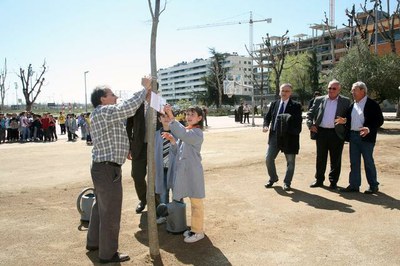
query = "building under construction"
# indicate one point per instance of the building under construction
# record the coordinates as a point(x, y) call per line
point(330, 43)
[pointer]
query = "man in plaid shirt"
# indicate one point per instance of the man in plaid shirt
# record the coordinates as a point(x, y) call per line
point(110, 150)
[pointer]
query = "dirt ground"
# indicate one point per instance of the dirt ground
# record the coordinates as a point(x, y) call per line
point(246, 224)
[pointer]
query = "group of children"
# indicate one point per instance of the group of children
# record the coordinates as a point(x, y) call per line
point(27, 127)
point(178, 164)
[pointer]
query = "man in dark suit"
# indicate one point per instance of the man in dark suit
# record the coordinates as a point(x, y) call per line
point(283, 121)
point(326, 120)
point(135, 127)
point(240, 113)
point(364, 118)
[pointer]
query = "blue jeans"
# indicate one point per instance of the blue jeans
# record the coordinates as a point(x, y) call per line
point(272, 153)
point(164, 196)
point(359, 148)
point(25, 133)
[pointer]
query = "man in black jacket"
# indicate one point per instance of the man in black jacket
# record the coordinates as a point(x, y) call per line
point(364, 118)
point(135, 127)
point(283, 121)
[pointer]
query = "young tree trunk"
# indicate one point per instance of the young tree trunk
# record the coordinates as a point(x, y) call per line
point(150, 132)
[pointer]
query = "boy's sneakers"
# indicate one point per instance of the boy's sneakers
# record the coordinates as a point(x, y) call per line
point(191, 237)
point(161, 220)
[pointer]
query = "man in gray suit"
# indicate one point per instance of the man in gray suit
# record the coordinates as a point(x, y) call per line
point(326, 120)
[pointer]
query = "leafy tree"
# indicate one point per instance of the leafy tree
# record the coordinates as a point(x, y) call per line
point(295, 72)
point(381, 74)
point(214, 81)
point(314, 71)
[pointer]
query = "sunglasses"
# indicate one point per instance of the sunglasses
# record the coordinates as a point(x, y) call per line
point(331, 88)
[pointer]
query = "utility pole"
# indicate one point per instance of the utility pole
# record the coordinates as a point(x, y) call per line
point(85, 91)
point(252, 71)
point(16, 93)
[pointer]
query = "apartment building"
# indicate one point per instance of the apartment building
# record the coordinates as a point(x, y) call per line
point(184, 80)
point(331, 43)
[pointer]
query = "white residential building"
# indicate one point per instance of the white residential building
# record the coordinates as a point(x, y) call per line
point(182, 80)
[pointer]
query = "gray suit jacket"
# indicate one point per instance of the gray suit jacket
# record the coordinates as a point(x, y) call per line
point(316, 113)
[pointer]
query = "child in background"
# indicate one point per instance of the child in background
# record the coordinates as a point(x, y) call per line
point(87, 129)
point(164, 162)
point(189, 176)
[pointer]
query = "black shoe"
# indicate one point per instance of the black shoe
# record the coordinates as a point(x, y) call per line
point(317, 184)
point(371, 190)
point(333, 186)
point(140, 207)
point(350, 189)
point(92, 248)
point(118, 257)
point(270, 183)
point(286, 187)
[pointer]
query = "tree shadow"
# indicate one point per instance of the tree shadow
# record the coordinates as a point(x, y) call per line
point(315, 201)
point(389, 131)
point(200, 253)
point(379, 198)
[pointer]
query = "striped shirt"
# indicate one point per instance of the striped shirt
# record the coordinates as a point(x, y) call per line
point(109, 137)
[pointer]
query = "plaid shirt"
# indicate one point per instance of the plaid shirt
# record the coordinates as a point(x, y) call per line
point(110, 141)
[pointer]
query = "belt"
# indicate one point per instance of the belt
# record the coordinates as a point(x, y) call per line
point(109, 163)
point(325, 128)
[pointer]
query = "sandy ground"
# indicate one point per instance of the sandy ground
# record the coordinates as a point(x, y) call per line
point(246, 224)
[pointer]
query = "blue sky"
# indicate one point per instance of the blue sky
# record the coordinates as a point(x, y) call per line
point(111, 38)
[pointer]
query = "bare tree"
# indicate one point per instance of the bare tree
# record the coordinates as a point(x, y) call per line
point(31, 86)
point(360, 26)
point(332, 37)
point(3, 76)
point(150, 131)
point(276, 54)
point(388, 32)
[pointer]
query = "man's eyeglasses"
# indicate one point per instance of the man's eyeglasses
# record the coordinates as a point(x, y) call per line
point(332, 88)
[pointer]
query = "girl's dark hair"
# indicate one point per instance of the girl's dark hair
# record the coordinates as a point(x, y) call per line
point(97, 93)
point(199, 111)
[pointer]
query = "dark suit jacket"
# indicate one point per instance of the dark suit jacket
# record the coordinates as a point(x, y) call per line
point(373, 119)
point(135, 127)
point(290, 142)
point(316, 113)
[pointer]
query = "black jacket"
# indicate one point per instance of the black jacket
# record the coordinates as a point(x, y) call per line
point(289, 140)
point(373, 120)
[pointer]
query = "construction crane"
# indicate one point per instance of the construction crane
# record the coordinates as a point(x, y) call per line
point(332, 13)
point(250, 22)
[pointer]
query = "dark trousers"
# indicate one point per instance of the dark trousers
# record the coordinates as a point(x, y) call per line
point(62, 128)
point(246, 116)
point(106, 211)
point(139, 171)
point(328, 142)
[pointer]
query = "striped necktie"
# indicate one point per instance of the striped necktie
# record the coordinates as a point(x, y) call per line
point(166, 146)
